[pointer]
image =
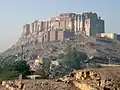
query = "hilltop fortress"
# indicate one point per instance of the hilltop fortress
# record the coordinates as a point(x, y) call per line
point(66, 25)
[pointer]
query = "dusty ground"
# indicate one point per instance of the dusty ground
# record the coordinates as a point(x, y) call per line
point(47, 85)
point(112, 73)
point(2, 88)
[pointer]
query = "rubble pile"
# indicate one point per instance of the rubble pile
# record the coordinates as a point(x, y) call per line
point(13, 85)
point(95, 79)
point(37, 85)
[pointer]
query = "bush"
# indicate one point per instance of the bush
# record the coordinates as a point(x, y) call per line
point(73, 58)
point(44, 70)
point(21, 67)
point(14, 69)
point(8, 75)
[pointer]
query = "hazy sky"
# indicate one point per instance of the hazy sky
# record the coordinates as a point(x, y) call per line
point(15, 13)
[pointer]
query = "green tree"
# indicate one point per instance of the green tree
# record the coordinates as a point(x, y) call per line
point(22, 67)
point(10, 68)
point(73, 58)
point(44, 69)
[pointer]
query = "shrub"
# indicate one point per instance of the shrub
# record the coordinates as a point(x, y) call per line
point(73, 58)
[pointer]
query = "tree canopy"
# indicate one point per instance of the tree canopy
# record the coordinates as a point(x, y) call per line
point(13, 69)
point(73, 58)
point(22, 67)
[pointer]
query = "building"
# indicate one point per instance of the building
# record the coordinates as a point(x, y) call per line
point(87, 23)
point(100, 26)
point(118, 37)
point(51, 36)
point(45, 25)
point(40, 25)
point(66, 20)
point(65, 34)
point(32, 27)
point(26, 29)
point(55, 24)
point(90, 28)
point(35, 25)
point(57, 35)
point(91, 24)
point(108, 35)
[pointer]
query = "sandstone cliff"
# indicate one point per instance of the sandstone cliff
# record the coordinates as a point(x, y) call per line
point(93, 46)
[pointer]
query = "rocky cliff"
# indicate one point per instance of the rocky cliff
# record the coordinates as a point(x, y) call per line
point(93, 46)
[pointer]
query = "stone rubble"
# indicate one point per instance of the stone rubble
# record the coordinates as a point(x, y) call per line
point(37, 85)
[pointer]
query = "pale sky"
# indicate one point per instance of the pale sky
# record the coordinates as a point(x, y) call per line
point(15, 13)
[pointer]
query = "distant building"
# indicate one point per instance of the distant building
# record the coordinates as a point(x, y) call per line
point(52, 36)
point(118, 37)
point(92, 24)
point(65, 34)
point(87, 23)
point(108, 35)
point(35, 25)
point(100, 26)
point(60, 35)
point(57, 35)
point(40, 24)
point(32, 27)
point(90, 28)
point(54, 24)
point(26, 29)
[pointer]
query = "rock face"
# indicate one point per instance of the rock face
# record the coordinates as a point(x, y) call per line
point(93, 46)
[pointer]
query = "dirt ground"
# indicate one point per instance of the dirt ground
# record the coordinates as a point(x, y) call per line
point(47, 85)
point(2, 88)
